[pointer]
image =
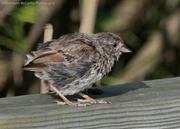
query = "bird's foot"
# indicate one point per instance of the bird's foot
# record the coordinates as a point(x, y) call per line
point(72, 104)
point(91, 100)
point(66, 101)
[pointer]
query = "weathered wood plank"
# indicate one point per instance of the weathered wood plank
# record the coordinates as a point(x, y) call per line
point(147, 104)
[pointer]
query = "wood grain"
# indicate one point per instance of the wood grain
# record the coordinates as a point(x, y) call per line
point(146, 104)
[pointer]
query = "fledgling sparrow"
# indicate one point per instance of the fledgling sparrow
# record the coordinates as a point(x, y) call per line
point(75, 61)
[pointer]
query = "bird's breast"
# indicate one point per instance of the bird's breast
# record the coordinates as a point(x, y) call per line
point(105, 65)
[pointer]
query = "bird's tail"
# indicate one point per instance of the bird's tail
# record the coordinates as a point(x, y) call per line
point(29, 59)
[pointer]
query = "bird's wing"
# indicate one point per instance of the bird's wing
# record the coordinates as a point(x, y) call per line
point(67, 53)
point(63, 61)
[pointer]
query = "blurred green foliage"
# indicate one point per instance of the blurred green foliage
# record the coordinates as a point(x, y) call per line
point(27, 13)
point(13, 29)
point(13, 36)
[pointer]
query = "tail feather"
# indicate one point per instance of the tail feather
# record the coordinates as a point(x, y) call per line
point(30, 66)
point(35, 67)
point(29, 59)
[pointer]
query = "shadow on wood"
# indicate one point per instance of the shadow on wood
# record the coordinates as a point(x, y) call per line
point(109, 91)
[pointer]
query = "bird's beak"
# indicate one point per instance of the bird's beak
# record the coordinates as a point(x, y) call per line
point(125, 49)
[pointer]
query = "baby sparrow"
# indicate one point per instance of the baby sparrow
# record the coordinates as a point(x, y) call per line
point(75, 61)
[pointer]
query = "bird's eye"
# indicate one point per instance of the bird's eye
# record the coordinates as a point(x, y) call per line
point(114, 45)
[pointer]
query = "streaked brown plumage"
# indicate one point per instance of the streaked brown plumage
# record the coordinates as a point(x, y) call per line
point(74, 61)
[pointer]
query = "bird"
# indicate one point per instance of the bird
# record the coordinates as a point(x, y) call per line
point(75, 61)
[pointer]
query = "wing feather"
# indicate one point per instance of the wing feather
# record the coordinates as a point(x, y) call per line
point(64, 59)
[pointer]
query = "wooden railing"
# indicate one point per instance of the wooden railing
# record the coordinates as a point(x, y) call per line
point(146, 104)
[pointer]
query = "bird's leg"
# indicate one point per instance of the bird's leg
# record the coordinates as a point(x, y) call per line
point(90, 100)
point(66, 101)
